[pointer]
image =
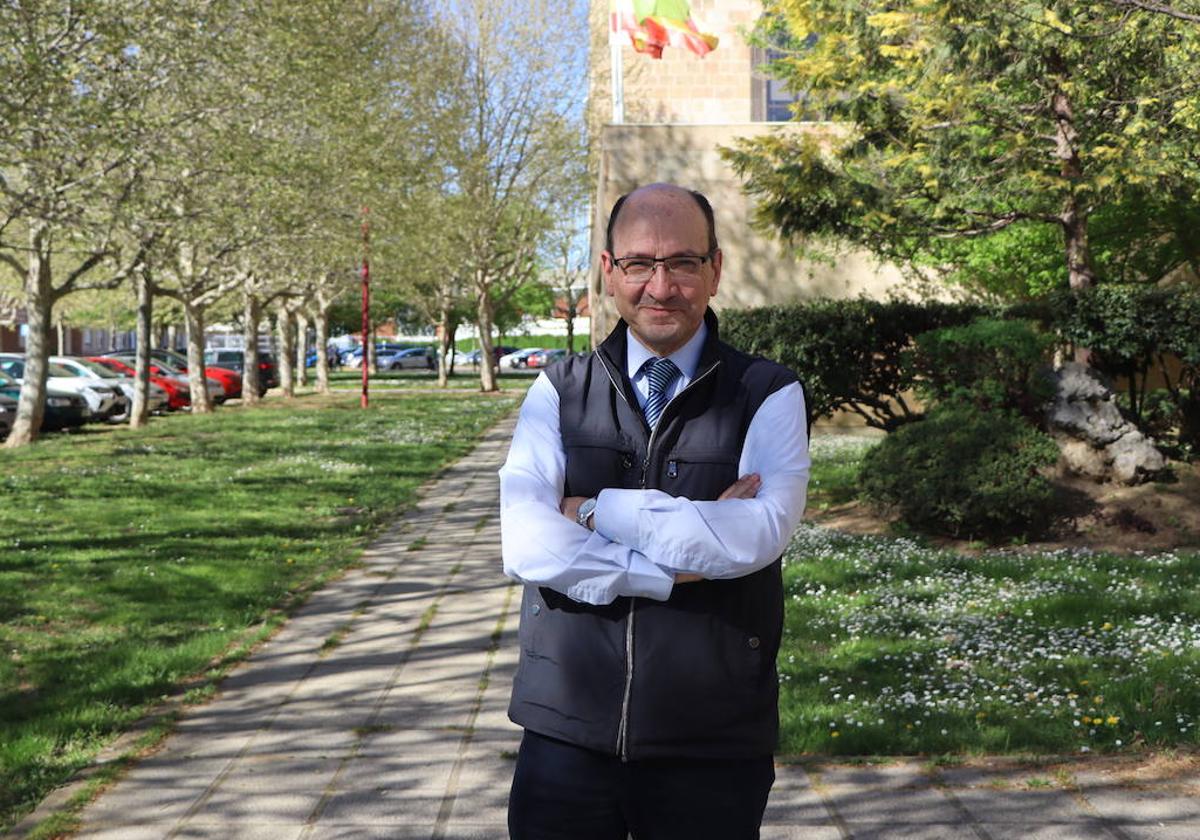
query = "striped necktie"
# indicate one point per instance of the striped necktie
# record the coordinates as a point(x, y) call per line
point(662, 374)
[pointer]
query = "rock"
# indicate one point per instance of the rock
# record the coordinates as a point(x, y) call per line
point(1094, 438)
point(1081, 458)
point(1134, 458)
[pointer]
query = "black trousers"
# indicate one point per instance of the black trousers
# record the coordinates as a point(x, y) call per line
point(564, 792)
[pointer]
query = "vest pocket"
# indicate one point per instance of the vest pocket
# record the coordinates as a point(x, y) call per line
point(705, 473)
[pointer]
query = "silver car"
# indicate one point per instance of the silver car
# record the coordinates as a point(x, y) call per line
point(107, 376)
point(103, 400)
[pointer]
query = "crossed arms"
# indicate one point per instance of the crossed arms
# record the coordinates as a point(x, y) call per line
point(646, 541)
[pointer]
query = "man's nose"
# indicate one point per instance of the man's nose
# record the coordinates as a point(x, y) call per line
point(660, 283)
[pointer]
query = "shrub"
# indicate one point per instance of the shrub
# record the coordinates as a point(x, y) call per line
point(988, 362)
point(963, 472)
point(1130, 327)
point(848, 353)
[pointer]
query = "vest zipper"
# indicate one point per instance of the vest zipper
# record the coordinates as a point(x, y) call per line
point(654, 431)
point(623, 726)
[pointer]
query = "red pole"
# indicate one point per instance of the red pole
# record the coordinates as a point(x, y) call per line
point(366, 302)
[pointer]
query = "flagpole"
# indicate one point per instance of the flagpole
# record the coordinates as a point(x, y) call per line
point(615, 70)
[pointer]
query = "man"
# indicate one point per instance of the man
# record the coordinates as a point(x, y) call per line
point(653, 603)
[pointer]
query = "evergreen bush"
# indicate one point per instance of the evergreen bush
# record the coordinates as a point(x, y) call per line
point(848, 353)
point(964, 472)
point(989, 362)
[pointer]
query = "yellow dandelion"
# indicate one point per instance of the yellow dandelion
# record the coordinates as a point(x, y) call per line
point(1108, 625)
point(1112, 720)
point(1085, 719)
point(835, 734)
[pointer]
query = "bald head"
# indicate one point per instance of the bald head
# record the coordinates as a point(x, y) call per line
point(670, 229)
point(660, 198)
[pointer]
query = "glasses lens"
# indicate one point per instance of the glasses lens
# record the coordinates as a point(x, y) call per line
point(640, 270)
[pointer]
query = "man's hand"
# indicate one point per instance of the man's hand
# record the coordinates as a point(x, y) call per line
point(745, 487)
point(569, 507)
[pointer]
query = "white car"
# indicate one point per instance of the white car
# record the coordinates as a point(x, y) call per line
point(517, 359)
point(104, 401)
point(157, 397)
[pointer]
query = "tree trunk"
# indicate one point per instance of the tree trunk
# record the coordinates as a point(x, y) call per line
point(171, 341)
point(39, 302)
point(287, 351)
point(321, 326)
point(570, 321)
point(197, 381)
point(445, 344)
point(1074, 217)
point(61, 329)
point(369, 353)
point(139, 414)
point(251, 315)
point(487, 361)
point(301, 349)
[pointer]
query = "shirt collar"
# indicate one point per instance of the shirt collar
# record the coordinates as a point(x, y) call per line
point(686, 358)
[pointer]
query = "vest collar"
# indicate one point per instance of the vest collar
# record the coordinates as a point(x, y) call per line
point(613, 349)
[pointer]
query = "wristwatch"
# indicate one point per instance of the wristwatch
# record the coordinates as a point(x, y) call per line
point(586, 509)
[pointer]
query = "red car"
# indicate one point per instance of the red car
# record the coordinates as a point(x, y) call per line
point(229, 380)
point(178, 395)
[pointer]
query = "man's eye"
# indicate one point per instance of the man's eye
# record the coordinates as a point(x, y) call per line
point(686, 264)
point(639, 265)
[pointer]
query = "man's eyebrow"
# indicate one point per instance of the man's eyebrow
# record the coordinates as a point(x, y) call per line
point(667, 257)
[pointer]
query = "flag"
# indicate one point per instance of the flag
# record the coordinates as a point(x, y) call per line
point(654, 24)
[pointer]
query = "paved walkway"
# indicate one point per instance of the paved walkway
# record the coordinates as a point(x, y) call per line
point(379, 711)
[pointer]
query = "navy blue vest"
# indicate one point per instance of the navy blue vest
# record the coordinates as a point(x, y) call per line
point(691, 676)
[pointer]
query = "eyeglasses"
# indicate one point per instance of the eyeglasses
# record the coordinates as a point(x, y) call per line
point(684, 268)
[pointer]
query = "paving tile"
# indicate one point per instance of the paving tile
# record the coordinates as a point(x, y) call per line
point(1161, 831)
point(1040, 831)
point(908, 805)
point(992, 806)
point(1140, 807)
point(917, 831)
point(889, 775)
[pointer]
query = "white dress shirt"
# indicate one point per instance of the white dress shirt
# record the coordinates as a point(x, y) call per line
point(643, 538)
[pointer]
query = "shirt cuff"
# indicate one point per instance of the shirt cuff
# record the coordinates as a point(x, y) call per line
point(616, 516)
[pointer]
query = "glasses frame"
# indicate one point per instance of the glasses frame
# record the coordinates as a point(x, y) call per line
point(655, 262)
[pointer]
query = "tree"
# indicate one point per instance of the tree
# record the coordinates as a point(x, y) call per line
point(957, 123)
point(520, 137)
point(87, 95)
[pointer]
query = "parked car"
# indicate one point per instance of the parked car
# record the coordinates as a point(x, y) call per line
point(545, 357)
point(414, 357)
point(63, 409)
point(267, 376)
point(229, 380)
point(519, 358)
point(156, 397)
point(104, 401)
point(8, 414)
point(215, 391)
point(178, 393)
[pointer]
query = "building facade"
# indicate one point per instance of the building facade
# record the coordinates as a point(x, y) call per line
point(678, 113)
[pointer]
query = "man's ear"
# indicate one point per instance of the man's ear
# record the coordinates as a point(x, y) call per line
point(717, 260)
point(607, 267)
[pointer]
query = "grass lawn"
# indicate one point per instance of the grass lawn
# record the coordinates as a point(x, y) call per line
point(464, 379)
point(132, 561)
point(893, 646)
